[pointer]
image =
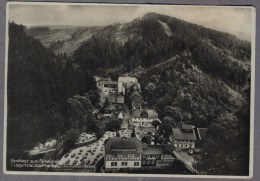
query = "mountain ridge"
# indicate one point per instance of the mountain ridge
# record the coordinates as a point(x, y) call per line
point(49, 36)
point(188, 73)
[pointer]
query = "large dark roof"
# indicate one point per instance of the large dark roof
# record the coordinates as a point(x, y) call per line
point(154, 150)
point(136, 113)
point(123, 145)
point(116, 98)
point(180, 134)
point(135, 96)
point(147, 139)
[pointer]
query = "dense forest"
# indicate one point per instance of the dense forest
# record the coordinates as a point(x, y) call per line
point(41, 92)
point(191, 75)
point(188, 73)
point(217, 53)
point(182, 93)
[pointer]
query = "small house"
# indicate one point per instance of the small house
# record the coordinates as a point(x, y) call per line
point(156, 156)
point(144, 117)
point(126, 83)
point(116, 100)
point(136, 100)
point(183, 137)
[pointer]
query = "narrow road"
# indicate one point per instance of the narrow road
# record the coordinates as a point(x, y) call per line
point(186, 159)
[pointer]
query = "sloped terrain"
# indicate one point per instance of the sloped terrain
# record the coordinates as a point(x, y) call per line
point(39, 84)
point(62, 39)
point(188, 73)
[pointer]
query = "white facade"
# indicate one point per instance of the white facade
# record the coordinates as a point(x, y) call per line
point(121, 88)
point(128, 81)
point(122, 164)
point(184, 144)
point(146, 122)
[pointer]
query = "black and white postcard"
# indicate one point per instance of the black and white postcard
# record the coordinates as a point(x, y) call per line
point(129, 90)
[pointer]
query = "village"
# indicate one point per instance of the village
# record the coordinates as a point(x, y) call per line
point(132, 138)
point(129, 90)
point(135, 144)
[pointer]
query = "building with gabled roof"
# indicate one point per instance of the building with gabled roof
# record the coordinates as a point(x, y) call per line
point(107, 86)
point(144, 117)
point(136, 100)
point(126, 83)
point(116, 100)
point(183, 137)
point(156, 156)
point(123, 153)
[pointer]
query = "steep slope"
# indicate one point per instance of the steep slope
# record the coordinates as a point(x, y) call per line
point(190, 74)
point(154, 38)
point(66, 39)
point(39, 84)
point(62, 39)
point(182, 93)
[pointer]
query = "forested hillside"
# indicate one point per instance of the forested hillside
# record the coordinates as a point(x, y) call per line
point(190, 74)
point(182, 93)
point(148, 42)
point(61, 39)
point(40, 91)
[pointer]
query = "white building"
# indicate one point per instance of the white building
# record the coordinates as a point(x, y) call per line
point(121, 88)
point(123, 153)
point(126, 83)
point(144, 117)
point(183, 137)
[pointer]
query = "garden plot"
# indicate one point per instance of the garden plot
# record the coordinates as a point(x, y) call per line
point(86, 138)
point(87, 155)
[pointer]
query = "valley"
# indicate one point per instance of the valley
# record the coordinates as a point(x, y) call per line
point(184, 78)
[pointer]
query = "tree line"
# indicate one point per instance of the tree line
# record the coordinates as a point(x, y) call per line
point(41, 90)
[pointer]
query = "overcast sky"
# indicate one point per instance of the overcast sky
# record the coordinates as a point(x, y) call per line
point(234, 20)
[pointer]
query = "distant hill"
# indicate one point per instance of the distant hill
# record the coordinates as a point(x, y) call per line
point(154, 38)
point(62, 39)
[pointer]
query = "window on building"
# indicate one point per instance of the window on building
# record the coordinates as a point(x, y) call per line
point(113, 164)
point(123, 163)
point(136, 163)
